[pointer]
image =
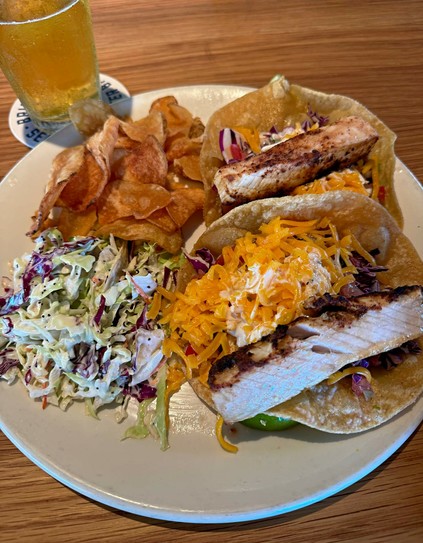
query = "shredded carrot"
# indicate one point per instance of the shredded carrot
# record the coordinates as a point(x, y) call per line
point(44, 401)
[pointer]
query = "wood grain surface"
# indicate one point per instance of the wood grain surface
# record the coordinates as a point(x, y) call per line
point(369, 50)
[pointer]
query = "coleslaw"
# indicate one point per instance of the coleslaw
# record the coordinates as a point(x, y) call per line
point(74, 326)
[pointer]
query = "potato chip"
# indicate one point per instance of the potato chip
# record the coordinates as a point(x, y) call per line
point(120, 182)
point(177, 181)
point(189, 166)
point(124, 198)
point(178, 119)
point(91, 178)
point(152, 125)
point(163, 220)
point(65, 166)
point(123, 143)
point(102, 143)
point(184, 203)
point(144, 163)
point(85, 186)
point(131, 229)
point(182, 146)
point(197, 128)
point(151, 199)
point(73, 224)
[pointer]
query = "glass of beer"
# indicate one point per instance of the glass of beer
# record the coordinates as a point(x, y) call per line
point(47, 53)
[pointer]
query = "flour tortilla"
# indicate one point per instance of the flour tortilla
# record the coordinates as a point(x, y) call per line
point(336, 408)
point(282, 104)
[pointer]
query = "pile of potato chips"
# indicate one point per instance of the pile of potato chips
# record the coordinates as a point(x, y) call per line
point(137, 180)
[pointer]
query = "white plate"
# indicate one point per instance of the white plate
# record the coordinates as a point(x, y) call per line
point(195, 480)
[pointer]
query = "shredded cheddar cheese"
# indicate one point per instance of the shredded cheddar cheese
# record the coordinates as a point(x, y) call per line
point(155, 306)
point(363, 180)
point(337, 376)
point(349, 180)
point(175, 379)
point(261, 282)
point(219, 434)
point(252, 137)
point(176, 375)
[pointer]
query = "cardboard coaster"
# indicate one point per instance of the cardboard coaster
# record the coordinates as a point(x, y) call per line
point(22, 128)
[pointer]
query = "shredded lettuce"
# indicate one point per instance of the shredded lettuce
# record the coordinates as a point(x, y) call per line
point(161, 409)
point(140, 429)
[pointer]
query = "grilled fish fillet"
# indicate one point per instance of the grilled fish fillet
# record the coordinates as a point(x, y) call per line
point(310, 349)
point(296, 161)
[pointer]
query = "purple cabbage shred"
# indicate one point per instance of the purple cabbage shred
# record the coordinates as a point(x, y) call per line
point(388, 360)
point(167, 272)
point(314, 118)
point(100, 310)
point(40, 265)
point(140, 392)
point(142, 321)
point(202, 261)
point(85, 362)
point(365, 280)
point(7, 362)
point(361, 386)
point(394, 357)
point(28, 377)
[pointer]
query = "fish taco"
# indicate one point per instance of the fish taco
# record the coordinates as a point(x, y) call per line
point(304, 307)
point(287, 139)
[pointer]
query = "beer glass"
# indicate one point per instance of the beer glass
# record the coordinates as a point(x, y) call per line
point(47, 53)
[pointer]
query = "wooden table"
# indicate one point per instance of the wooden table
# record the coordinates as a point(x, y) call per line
point(372, 51)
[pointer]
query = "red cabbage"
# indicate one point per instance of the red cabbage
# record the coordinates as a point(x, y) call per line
point(11, 303)
point(365, 280)
point(143, 322)
point(361, 386)
point(6, 362)
point(394, 357)
point(40, 265)
point(103, 366)
point(100, 310)
point(140, 392)
point(28, 377)
point(233, 146)
point(388, 360)
point(314, 118)
point(166, 276)
point(202, 261)
point(86, 360)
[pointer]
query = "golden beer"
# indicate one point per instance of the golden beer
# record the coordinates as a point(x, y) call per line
point(48, 55)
